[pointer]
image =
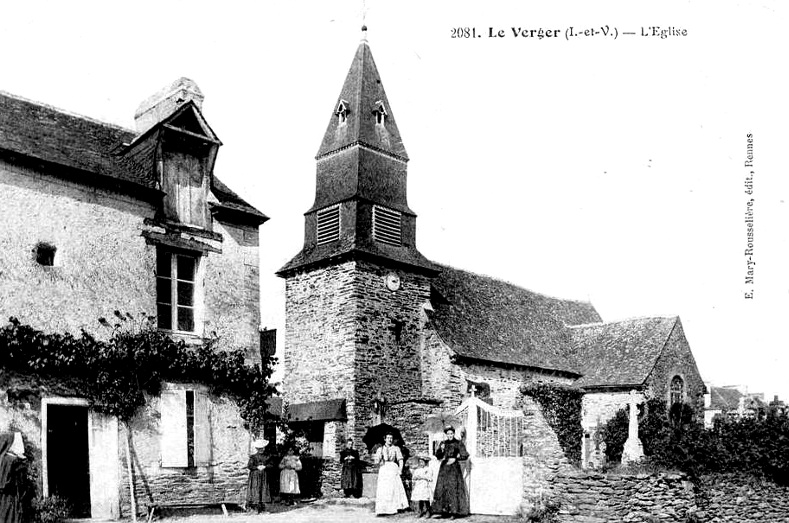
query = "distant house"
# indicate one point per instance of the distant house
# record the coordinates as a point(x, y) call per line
point(733, 402)
point(97, 218)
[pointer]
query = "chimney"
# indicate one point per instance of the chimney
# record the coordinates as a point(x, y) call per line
point(165, 102)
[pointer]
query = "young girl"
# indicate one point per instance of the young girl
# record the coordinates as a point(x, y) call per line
point(288, 478)
point(422, 481)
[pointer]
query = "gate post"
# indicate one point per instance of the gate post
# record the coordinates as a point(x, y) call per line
point(471, 426)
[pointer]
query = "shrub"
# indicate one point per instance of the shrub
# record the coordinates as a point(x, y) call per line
point(50, 510)
point(672, 439)
point(544, 511)
point(114, 375)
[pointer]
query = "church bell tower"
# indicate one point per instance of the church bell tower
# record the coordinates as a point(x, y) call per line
point(356, 292)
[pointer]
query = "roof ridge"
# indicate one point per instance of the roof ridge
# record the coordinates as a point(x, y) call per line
point(507, 282)
point(67, 112)
point(624, 320)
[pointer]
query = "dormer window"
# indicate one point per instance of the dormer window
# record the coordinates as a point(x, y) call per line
point(387, 226)
point(342, 112)
point(328, 227)
point(380, 112)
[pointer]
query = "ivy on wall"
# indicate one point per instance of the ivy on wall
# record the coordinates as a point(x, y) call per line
point(561, 407)
point(116, 374)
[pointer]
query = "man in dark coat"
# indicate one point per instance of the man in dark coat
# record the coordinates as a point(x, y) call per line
point(450, 497)
point(351, 479)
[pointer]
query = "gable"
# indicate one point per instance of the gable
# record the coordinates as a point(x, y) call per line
point(620, 353)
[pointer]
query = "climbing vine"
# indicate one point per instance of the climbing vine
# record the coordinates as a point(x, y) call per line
point(561, 407)
point(115, 375)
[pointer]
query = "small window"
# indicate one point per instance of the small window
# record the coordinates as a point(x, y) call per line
point(175, 290)
point(328, 228)
point(387, 225)
point(677, 392)
point(342, 112)
point(380, 113)
point(45, 254)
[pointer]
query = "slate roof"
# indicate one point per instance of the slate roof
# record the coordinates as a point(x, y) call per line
point(724, 398)
point(620, 353)
point(362, 90)
point(41, 132)
point(488, 319)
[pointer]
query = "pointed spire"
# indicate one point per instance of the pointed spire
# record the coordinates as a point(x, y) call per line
point(362, 114)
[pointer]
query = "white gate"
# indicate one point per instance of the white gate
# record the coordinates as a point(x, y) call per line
point(494, 471)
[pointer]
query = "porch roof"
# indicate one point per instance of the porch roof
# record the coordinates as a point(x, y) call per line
point(326, 410)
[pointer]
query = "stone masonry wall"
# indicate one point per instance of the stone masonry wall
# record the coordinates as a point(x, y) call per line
point(388, 332)
point(223, 479)
point(598, 498)
point(648, 498)
point(734, 498)
point(447, 380)
point(543, 457)
point(232, 289)
point(103, 264)
point(599, 407)
point(319, 336)
point(677, 360)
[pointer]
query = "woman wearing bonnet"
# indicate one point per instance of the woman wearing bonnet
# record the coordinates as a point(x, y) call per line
point(12, 470)
point(258, 489)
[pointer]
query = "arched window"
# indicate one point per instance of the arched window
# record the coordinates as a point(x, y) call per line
point(677, 391)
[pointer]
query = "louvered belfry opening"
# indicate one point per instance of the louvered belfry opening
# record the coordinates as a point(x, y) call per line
point(328, 227)
point(387, 226)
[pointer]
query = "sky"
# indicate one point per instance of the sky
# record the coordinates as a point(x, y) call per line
point(608, 167)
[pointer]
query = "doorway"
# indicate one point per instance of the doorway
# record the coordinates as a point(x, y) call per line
point(67, 456)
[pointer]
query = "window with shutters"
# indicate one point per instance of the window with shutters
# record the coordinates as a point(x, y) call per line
point(185, 429)
point(176, 290)
point(387, 226)
point(328, 227)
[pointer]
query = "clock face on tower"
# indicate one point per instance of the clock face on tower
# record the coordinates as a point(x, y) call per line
point(392, 281)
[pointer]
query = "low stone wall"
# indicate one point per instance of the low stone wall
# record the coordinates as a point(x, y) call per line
point(736, 498)
point(650, 498)
point(599, 498)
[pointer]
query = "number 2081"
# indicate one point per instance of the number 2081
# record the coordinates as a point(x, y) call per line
point(464, 32)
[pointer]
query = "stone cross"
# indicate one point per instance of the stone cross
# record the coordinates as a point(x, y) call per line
point(473, 391)
point(634, 450)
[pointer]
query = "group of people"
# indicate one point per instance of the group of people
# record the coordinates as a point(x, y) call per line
point(436, 495)
point(259, 465)
point(446, 496)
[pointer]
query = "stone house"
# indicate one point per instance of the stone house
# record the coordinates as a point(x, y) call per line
point(97, 218)
point(376, 333)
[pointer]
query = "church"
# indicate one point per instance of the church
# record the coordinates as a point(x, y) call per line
point(377, 333)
